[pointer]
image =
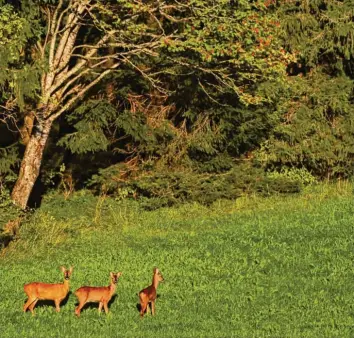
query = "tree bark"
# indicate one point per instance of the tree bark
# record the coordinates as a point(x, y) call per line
point(31, 163)
point(26, 129)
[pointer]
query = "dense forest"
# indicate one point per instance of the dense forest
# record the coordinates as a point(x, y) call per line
point(175, 100)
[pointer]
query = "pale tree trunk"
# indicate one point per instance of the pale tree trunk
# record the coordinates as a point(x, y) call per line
point(31, 163)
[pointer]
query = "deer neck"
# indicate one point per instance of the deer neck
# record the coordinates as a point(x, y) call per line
point(155, 281)
point(66, 284)
point(112, 288)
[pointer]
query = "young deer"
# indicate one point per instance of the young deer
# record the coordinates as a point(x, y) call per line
point(97, 294)
point(44, 291)
point(148, 295)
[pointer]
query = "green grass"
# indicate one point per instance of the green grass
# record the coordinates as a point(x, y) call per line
point(276, 267)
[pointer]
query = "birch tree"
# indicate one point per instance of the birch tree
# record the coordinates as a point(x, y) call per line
point(74, 56)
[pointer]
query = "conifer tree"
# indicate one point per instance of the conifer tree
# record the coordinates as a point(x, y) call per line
point(317, 116)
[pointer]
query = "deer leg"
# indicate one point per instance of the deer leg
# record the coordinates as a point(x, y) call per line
point(57, 305)
point(105, 306)
point(79, 307)
point(143, 306)
point(153, 307)
point(100, 307)
point(31, 307)
point(28, 303)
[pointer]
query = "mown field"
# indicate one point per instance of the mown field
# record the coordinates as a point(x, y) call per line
point(275, 267)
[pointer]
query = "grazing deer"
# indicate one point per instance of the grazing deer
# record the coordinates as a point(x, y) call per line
point(97, 294)
point(148, 295)
point(44, 291)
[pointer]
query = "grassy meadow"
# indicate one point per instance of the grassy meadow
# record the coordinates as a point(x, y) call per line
point(256, 267)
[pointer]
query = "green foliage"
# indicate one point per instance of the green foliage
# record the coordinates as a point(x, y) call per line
point(315, 129)
point(320, 31)
point(201, 133)
point(243, 38)
point(19, 77)
point(280, 266)
point(14, 32)
point(162, 188)
point(8, 159)
point(10, 218)
point(136, 129)
point(218, 163)
point(222, 81)
point(294, 174)
point(89, 120)
point(81, 203)
point(7, 210)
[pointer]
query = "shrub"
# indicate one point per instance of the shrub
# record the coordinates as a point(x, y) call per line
point(301, 175)
point(166, 188)
point(10, 218)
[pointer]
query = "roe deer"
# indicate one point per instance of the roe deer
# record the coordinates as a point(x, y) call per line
point(148, 295)
point(43, 291)
point(97, 294)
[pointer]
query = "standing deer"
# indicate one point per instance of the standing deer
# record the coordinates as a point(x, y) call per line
point(148, 295)
point(97, 294)
point(43, 291)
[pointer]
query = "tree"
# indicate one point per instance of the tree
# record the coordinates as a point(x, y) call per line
point(75, 44)
point(316, 115)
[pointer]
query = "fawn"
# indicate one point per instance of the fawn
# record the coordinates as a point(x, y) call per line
point(43, 291)
point(148, 295)
point(97, 294)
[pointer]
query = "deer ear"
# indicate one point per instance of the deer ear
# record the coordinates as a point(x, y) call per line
point(119, 274)
point(156, 270)
point(111, 274)
point(71, 269)
point(62, 268)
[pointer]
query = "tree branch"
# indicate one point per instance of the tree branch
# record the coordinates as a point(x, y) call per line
point(52, 29)
point(153, 82)
point(60, 79)
point(62, 55)
point(63, 95)
point(83, 91)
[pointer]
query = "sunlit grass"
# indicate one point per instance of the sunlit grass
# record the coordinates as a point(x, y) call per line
point(276, 267)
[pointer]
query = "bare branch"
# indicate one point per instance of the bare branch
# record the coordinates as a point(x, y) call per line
point(158, 22)
point(52, 29)
point(153, 82)
point(63, 55)
point(9, 116)
point(173, 19)
point(67, 75)
point(81, 93)
point(92, 58)
point(70, 6)
point(72, 91)
point(209, 96)
point(71, 29)
point(39, 45)
point(73, 80)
